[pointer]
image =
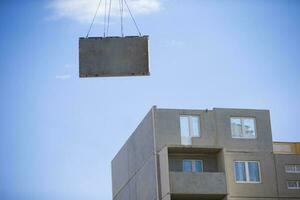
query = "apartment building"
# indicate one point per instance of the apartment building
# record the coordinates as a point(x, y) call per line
point(287, 163)
point(178, 154)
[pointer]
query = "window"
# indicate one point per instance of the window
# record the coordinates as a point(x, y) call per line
point(247, 171)
point(189, 127)
point(293, 185)
point(198, 166)
point(292, 168)
point(192, 166)
point(243, 127)
point(187, 165)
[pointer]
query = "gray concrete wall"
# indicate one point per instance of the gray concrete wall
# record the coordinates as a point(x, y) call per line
point(215, 129)
point(216, 132)
point(163, 129)
point(142, 185)
point(167, 197)
point(198, 197)
point(258, 149)
point(221, 161)
point(266, 189)
point(197, 183)
point(282, 177)
point(164, 182)
point(167, 127)
point(113, 56)
point(257, 198)
point(263, 142)
point(134, 174)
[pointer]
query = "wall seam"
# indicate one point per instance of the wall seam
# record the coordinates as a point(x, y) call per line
point(276, 177)
point(153, 109)
point(133, 176)
point(127, 153)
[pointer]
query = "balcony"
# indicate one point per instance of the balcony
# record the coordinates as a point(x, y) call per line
point(205, 183)
point(192, 173)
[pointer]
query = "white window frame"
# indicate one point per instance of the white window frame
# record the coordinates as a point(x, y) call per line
point(193, 165)
point(190, 122)
point(243, 130)
point(247, 171)
point(294, 171)
point(294, 188)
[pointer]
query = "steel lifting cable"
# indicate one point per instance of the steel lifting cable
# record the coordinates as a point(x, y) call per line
point(107, 17)
point(108, 20)
point(137, 28)
point(87, 35)
point(121, 16)
point(104, 28)
point(121, 13)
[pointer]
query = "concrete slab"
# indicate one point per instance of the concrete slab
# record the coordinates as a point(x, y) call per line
point(113, 56)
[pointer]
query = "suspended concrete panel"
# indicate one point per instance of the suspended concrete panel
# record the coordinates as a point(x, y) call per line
point(113, 56)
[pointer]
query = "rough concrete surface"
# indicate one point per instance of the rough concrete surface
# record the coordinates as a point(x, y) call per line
point(283, 177)
point(198, 183)
point(113, 56)
point(149, 165)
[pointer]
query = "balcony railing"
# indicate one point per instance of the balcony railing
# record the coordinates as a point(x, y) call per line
point(206, 183)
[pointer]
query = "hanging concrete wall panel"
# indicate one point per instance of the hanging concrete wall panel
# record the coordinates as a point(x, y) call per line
point(113, 56)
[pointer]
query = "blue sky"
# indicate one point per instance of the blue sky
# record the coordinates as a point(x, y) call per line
point(59, 133)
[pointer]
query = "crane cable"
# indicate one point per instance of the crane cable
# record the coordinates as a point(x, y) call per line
point(87, 35)
point(107, 17)
point(121, 5)
point(136, 26)
point(104, 28)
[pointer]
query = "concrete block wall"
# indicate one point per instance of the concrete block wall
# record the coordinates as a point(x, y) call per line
point(167, 127)
point(263, 142)
point(268, 186)
point(134, 174)
point(141, 169)
point(216, 132)
point(202, 183)
point(163, 178)
point(215, 129)
point(282, 177)
point(129, 57)
point(258, 149)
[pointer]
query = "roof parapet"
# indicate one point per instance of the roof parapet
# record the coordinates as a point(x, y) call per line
point(286, 147)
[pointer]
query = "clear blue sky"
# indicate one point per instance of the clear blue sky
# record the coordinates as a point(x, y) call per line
point(58, 133)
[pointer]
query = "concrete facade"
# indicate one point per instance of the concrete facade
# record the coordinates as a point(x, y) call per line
point(154, 156)
point(134, 173)
point(113, 56)
point(281, 160)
